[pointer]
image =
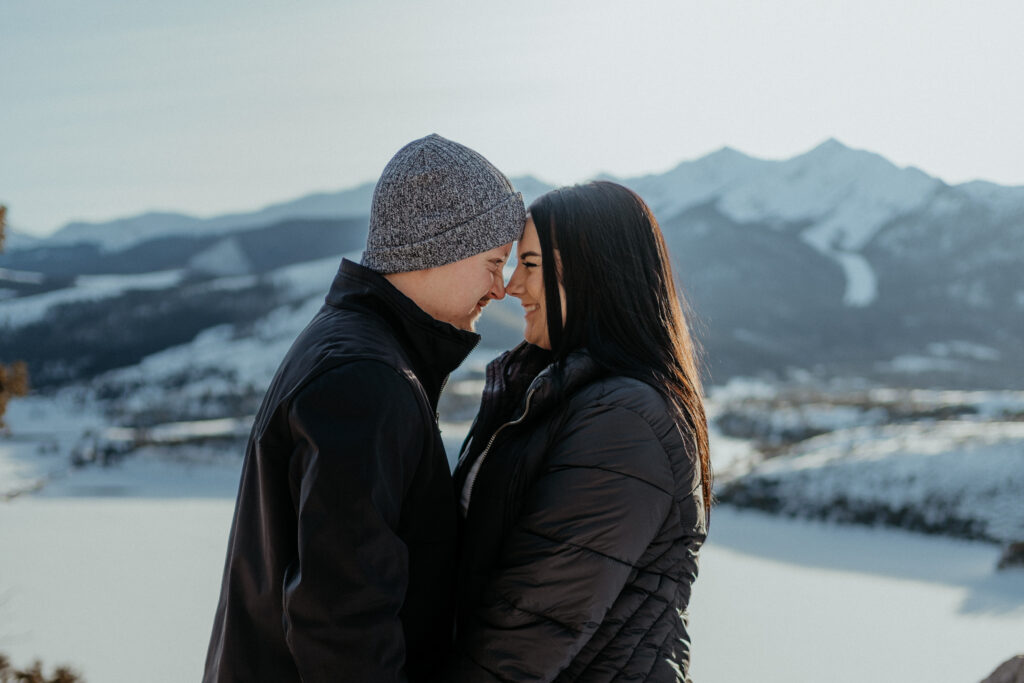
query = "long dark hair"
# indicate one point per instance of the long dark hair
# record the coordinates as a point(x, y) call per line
point(621, 298)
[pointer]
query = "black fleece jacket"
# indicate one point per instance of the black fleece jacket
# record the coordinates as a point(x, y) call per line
point(340, 563)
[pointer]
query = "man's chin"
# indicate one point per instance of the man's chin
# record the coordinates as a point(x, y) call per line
point(468, 324)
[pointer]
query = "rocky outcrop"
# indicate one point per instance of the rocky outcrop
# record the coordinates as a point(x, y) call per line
point(1010, 671)
point(1013, 556)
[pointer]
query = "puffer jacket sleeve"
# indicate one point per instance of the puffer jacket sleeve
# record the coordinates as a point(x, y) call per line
point(358, 438)
point(603, 494)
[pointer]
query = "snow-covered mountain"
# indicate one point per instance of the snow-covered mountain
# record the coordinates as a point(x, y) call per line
point(123, 233)
point(832, 269)
point(836, 198)
point(834, 262)
point(15, 239)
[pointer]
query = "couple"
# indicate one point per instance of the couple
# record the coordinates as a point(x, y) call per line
point(567, 546)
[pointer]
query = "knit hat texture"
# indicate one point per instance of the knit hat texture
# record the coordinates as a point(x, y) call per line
point(438, 202)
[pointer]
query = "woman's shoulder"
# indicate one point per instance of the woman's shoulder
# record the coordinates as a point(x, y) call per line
point(627, 399)
point(624, 392)
point(625, 425)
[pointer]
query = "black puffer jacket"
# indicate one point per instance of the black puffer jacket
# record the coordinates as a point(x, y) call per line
point(341, 561)
point(579, 549)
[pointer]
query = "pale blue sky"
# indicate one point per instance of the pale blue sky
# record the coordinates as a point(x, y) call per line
point(113, 107)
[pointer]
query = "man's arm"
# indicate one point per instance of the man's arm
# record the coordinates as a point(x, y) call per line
point(359, 435)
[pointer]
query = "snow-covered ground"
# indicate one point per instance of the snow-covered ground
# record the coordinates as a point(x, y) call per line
point(116, 569)
point(948, 462)
point(48, 429)
point(861, 281)
point(30, 309)
point(956, 477)
point(125, 588)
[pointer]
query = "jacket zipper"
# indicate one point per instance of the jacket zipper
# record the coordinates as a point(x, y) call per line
point(480, 460)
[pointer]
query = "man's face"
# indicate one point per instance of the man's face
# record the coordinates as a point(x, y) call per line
point(459, 291)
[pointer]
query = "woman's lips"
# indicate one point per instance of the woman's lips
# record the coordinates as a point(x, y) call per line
point(530, 308)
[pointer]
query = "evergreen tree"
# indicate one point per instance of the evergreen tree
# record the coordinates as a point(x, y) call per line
point(34, 674)
point(13, 378)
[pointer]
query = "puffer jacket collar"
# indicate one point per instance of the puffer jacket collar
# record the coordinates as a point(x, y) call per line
point(552, 383)
point(434, 348)
point(521, 384)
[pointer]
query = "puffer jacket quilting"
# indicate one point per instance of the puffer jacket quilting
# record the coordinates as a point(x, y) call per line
point(580, 545)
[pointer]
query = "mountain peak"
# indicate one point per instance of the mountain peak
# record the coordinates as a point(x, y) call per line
point(726, 152)
point(833, 150)
point(832, 145)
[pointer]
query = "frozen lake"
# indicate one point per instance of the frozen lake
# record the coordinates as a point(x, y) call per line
point(787, 600)
point(124, 589)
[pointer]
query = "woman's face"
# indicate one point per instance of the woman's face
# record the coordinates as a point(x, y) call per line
point(527, 285)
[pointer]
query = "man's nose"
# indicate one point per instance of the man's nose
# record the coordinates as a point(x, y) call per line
point(498, 290)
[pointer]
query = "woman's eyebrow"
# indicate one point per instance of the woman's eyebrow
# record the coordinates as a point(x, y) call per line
point(529, 254)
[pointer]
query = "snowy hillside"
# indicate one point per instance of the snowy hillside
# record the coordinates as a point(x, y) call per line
point(15, 239)
point(941, 462)
point(838, 299)
point(837, 199)
point(22, 311)
point(954, 478)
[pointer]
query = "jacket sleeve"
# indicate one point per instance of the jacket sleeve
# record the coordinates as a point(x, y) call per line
point(358, 434)
point(600, 500)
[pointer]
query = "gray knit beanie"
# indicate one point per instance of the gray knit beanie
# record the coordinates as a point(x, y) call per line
point(438, 202)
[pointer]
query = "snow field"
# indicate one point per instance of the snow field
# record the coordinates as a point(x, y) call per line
point(945, 471)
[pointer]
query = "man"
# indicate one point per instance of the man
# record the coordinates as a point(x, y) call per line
point(341, 556)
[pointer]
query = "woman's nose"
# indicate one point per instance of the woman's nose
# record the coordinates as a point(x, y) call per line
point(515, 283)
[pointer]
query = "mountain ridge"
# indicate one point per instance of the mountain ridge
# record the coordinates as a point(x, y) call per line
point(836, 262)
point(748, 186)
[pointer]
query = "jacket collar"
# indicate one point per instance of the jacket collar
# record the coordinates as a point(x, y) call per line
point(521, 384)
point(549, 383)
point(434, 348)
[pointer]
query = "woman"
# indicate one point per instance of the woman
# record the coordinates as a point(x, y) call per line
point(585, 481)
